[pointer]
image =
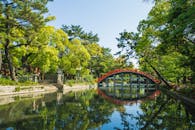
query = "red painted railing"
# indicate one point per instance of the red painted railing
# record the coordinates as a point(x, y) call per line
point(135, 71)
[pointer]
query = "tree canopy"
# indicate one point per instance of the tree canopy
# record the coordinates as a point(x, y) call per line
point(29, 46)
point(165, 39)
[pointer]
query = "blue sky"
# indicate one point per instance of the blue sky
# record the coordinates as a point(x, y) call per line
point(107, 18)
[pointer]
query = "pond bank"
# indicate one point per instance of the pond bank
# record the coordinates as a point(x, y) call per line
point(78, 87)
point(41, 88)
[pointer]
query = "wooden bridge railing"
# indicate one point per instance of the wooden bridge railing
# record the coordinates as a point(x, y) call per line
point(135, 71)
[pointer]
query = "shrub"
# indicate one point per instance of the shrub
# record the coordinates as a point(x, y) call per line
point(17, 89)
point(5, 81)
point(89, 79)
point(70, 82)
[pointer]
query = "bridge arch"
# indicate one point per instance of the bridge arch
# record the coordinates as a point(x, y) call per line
point(127, 84)
point(133, 71)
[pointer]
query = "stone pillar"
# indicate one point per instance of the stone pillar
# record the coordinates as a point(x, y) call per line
point(59, 77)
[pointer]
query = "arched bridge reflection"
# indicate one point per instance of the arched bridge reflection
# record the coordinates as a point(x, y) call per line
point(127, 84)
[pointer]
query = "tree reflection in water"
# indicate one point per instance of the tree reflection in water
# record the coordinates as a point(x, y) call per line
point(159, 114)
point(165, 113)
point(88, 110)
point(81, 110)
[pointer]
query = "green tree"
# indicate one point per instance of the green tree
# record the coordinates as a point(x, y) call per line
point(75, 58)
point(45, 52)
point(165, 39)
point(19, 22)
point(76, 31)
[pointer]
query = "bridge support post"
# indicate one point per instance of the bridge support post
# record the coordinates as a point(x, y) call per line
point(107, 82)
point(130, 83)
point(122, 85)
point(146, 86)
point(138, 86)
point(114, 77)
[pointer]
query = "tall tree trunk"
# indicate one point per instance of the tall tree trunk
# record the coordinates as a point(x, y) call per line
point(158, 73)
point(8, 59)
point(7, 42)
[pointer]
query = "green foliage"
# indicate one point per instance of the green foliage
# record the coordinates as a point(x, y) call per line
point(105, 62)
point(17, 89)
point(46, 59)
point(75, 58)
point(76, 31)
point(5, 81)
point(33, 47)
point(165, 40)
point(70, 82)
point(18, 30)
point(89, 79)
point(86, 80)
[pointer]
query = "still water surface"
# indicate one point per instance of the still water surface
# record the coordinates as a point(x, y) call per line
point(90, 111)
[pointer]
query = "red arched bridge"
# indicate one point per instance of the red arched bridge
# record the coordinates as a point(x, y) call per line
point(126, 83)
point(130, 71)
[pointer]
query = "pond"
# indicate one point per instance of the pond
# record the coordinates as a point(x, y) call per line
point(90, 111)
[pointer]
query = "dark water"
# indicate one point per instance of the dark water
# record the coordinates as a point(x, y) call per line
point(88, 111)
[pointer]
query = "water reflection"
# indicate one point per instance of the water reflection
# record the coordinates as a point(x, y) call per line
point(166, 113)
point(128, 93)
point(88, 110)
point(81, 110)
